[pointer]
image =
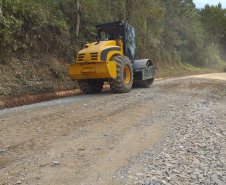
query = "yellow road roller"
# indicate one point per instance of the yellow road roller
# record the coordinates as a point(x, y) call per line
point(112, 58)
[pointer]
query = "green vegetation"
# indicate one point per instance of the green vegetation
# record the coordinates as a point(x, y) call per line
point(38, 38)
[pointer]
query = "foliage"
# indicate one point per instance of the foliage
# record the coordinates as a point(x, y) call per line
point(213, 19)
point(183, 33)
point(214, 22)
point(166, 31)
point(28, 26)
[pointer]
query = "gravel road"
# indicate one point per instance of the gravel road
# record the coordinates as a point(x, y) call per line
point(171, 133)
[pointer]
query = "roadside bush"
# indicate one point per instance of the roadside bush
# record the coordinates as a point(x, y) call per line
point(26, 26)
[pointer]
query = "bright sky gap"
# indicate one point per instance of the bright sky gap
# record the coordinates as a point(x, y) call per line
point(201, 3)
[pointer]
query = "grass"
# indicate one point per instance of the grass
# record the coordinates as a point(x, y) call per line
point(48, 74)
point(185, 69)
point(22, 76)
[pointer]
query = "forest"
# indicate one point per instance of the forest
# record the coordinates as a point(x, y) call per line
point(48, 34)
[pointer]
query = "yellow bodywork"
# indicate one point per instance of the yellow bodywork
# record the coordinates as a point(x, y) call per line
point(94, 61)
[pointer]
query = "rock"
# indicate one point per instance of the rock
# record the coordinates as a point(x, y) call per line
point(194, 177)
point(214, 176)
point(141, 174)
point(218, 182)
point(168, 178)
point(196, 161)
point(159, 173)
point(200, 176)
point(18, 182)
point(176, 171)
point(55, 162)
point(183, 176)
point(193, 148)
point(85, 105)
point(169, 165)
point(215, 179)
point(189, 171)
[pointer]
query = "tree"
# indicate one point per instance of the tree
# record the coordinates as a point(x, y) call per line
point(183, 36)
point(214, 22)
point(78, 17)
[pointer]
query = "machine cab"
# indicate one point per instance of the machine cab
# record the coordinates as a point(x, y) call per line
point(119, 30)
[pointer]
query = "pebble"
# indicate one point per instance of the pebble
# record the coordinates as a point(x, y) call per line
point(193, 147)
point(175, 171)
point(55, 162)
point(193, 150)
point(18, 182)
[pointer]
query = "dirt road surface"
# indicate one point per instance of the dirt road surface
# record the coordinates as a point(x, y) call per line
point(219, 76)
point(104, 138)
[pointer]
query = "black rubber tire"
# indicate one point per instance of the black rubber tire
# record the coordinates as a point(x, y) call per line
point(91, 86)
point(143, 83)
point(118, 84)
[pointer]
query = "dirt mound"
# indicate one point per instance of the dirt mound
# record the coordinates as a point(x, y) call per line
point(27, 99)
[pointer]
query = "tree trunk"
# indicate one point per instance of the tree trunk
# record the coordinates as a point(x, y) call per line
point(127, 10)
point(129, 7)
point(109, 9)
point(116, 10)
point(78, 17)
point(212, 44)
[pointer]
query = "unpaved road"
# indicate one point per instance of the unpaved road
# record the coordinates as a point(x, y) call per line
point(94, 139)
point(219, 76)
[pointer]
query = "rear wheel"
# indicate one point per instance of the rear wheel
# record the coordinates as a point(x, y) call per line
point(124, 80)
point(91, 86)
point(144, 83)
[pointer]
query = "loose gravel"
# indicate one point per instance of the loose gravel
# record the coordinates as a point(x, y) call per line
point(193, 150)
point(108, 138)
